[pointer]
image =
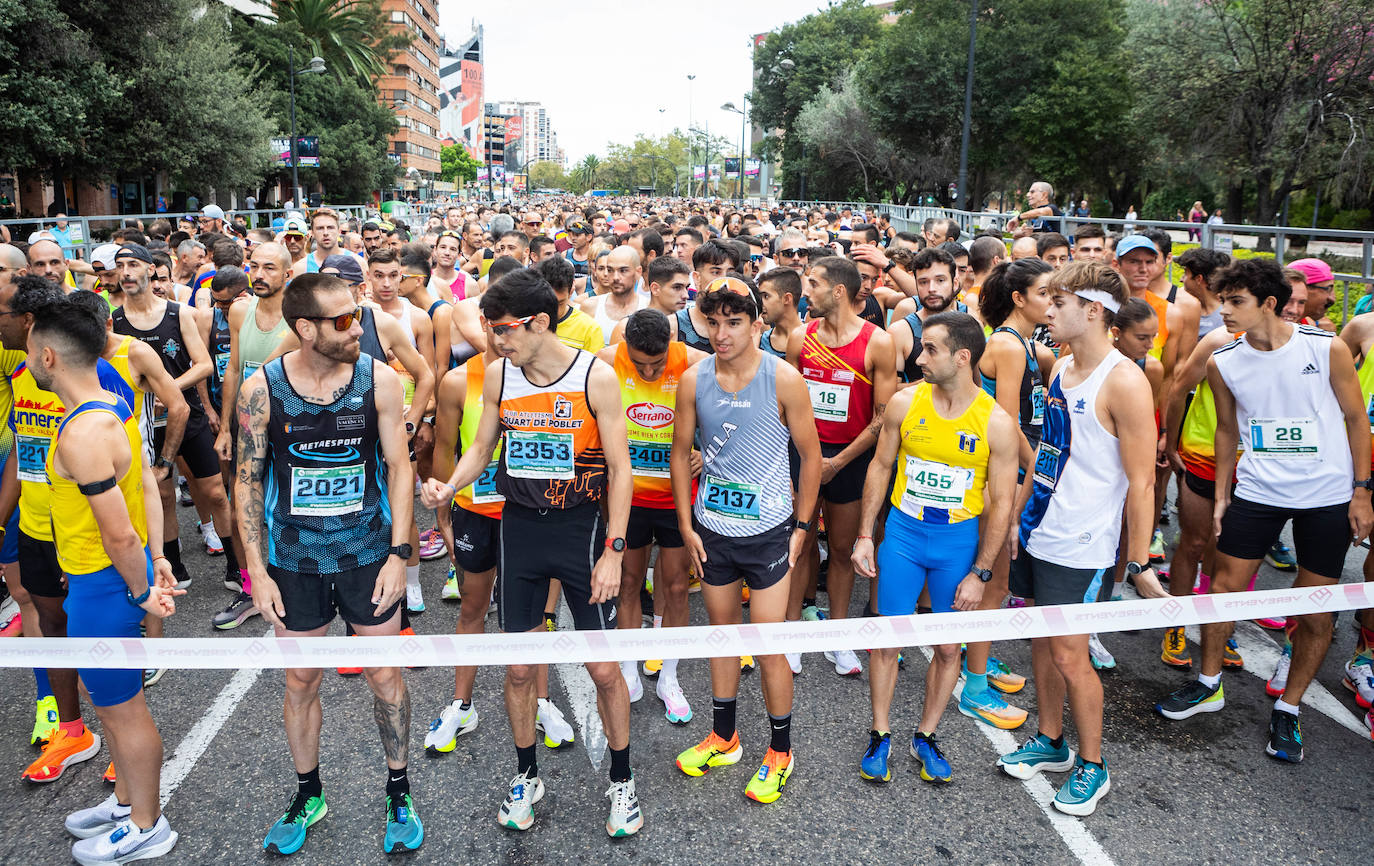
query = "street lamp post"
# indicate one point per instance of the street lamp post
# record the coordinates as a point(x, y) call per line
point(316, 65)
point(691, 144)
point(743, 117)
point(960, 201)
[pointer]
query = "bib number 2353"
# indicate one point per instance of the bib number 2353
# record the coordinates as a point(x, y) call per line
point(545, 456)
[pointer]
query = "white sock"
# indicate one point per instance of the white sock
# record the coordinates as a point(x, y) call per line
point(669, 669)
point(658, 621)
point(413, 576)
point(1209, 682)
point(628, 669)
point(1282, 707)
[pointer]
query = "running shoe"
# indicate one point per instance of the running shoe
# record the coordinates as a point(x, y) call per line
point(747, 663)
point(45, 721)
point(239, 611)
point(549, 720)
point(1001, 677)
point(1359, 678)
point(630, 673)
point(1285, 737)
point(744, 594)
point(990, 709)
point(1174, 652)
point(873, 765)
point(11, 617)
point(811, 613)
point(1088, 784)
point(1192, 699)
point(451, 592)
point(432, 545)
point(350, 672)
point(1279, 681)
point(710, 752)
point(109, 776)
point(453, 722)
point(60, 752)
point(1016, 601)
point(550, 622)
point(794, 662)
point(652, 667)
point(1157, 546)
point(183, 577)
point(184, 494)
point(151, 676)
point(232, 581)
point(675, 706)
point(934, 765)
point(288, 834)
point(213, 545)
point(1281, 558)
point(1276, 623)
point(693, 584)
point(415, 600)
point(766, 785)
point(517, 810)
point(403, 828)
point(1369, 723)
point(625, 819)
point(1230, 655)
point(846, 663)
point(1102, 659)
point(125, 843)
point(85, 823)
point(1038, 755)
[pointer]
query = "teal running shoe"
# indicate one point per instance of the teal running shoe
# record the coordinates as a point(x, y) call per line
point(288, 834)
point(1088, 784)
point(403, 827)
point(873, 765)
point(1036, 756)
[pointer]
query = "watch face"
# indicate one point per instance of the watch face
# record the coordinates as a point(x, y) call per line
point(618, 545)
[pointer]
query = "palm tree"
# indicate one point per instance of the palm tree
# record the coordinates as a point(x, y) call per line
point(355, 37)
point(586, 171)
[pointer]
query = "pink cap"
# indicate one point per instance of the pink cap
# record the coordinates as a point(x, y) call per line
point(1313, 270)
point(622, 227)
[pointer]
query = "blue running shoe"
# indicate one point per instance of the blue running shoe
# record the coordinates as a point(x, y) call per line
point(288, 834)
point(1281, 558)
point(1285, 737)
point(934, 767)
point(989, 708)
point(1088, 784)
point(1037, 755)
point(873, 765)
point(403, 827)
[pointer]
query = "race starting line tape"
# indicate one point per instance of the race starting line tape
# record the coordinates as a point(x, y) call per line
point(682, 643)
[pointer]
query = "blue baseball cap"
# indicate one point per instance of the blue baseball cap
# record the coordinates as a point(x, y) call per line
point(278, 224)
point(1135, 242)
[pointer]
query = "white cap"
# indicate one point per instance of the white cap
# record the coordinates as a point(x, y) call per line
point(212, 211)
point(104, 255)
point(41, 235)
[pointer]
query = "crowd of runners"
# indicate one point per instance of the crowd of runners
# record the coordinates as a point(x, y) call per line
point(798, 413)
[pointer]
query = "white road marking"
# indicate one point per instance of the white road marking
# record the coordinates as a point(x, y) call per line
point(1076, 836)
point(198, 739)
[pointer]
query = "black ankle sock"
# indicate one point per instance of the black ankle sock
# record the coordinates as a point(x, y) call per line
point(172, 550)
point(723, 717)
point(1057, 742)
point(808, 602)
point(309, 783)
point(525, 763)
point(620, 765)
point(231, 561)
point(397, 783)
point(782, 732)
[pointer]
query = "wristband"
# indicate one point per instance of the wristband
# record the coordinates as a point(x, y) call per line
point(138, 601)
point(157, 556)
point(857, 537)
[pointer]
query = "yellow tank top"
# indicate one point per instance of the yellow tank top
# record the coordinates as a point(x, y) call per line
point(1366, 377)
point(10, 360)
point(650, 408)
point(480, 497)
point(942, 463)
point(37, 415)
point(80, 549)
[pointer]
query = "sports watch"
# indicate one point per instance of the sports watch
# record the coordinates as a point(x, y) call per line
point(137, 601)
point(1367, 484)
point(401, 550)
point(803, 525)
point(1133, 568)
point(983, 574)
point(616, 544)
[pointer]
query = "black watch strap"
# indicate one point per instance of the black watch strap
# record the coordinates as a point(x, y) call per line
point(803, 525)
point(1367, 484)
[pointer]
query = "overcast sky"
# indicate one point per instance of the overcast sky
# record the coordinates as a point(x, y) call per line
point(603, 69)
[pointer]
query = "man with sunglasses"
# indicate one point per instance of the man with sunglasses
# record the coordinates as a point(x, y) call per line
point(580, 236)
point(557, 413)
point(211, 219)
point(792, 251)
point(323, 474)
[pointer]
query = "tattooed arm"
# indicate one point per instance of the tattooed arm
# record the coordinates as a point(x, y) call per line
point(253, 409)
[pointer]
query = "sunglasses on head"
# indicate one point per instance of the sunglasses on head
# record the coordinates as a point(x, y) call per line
point(343, 321)
point(728, 284)
point(450, 233)
point(793, 252)
point(506, 327)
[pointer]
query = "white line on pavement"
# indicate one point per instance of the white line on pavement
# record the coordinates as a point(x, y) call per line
point(1077, 838)
point(193, 745)
point(581, 695)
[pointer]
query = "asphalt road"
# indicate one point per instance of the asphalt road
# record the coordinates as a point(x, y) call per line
point(1199, 791)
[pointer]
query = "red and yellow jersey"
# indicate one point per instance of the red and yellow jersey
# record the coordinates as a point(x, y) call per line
point(841, 392)
point(1161, 308)
point(481, 496)
point(650, 409)
point(551, 455)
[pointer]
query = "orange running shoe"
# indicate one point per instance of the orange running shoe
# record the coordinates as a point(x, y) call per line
point(109, 776)
point(766, 786)
point(61, 751)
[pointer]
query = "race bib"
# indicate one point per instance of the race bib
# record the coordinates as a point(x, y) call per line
point(934, 485)
point(829, 401)
point(250, 367)
point(1037, 405)
point(540, 456)
point(649, 459)
point(327, 491)
point(1284, 438)
point(1047, 465)
point(731, 500)
point(484, 488)
point(159, 415)
point(33, 457)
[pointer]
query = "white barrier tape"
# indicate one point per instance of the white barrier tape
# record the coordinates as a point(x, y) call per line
point(682, 643)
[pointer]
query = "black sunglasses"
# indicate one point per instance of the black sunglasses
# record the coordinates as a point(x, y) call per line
point(793, 252)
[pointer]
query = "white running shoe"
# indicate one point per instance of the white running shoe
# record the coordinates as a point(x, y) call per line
point(85, 823)
point(126, 843)
point(630, 671)
point(517, 811)
point(453, 721)
point(549, 719)
point(415, 599)
point(213, 545)
point(675, 706)
point(846, 663)
point(626, 818)
point(1102, 659)
point(1279, 681)
point(1359, 678)
point(794, 662)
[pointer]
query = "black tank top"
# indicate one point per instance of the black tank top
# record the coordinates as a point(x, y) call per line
point(1032, 393)
point(325, 493)
point(910, 371)
point(165, 339)
point(874, 312)
point(687, 333)
point(369, 342)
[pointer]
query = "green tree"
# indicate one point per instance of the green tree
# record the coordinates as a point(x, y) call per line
point(587, 171)
point(355, 37)
point(457, 165)
point(547, 175)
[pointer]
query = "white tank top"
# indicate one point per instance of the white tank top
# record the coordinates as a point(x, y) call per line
point(1297, 454)
point(1073, 517)
point(606, 322)
point(404, 318)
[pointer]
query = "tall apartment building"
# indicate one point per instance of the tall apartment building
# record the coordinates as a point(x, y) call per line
point(412, 91)
point(460, 91)
point(539, 142)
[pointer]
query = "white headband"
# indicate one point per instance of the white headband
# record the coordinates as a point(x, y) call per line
point(1103, 298)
